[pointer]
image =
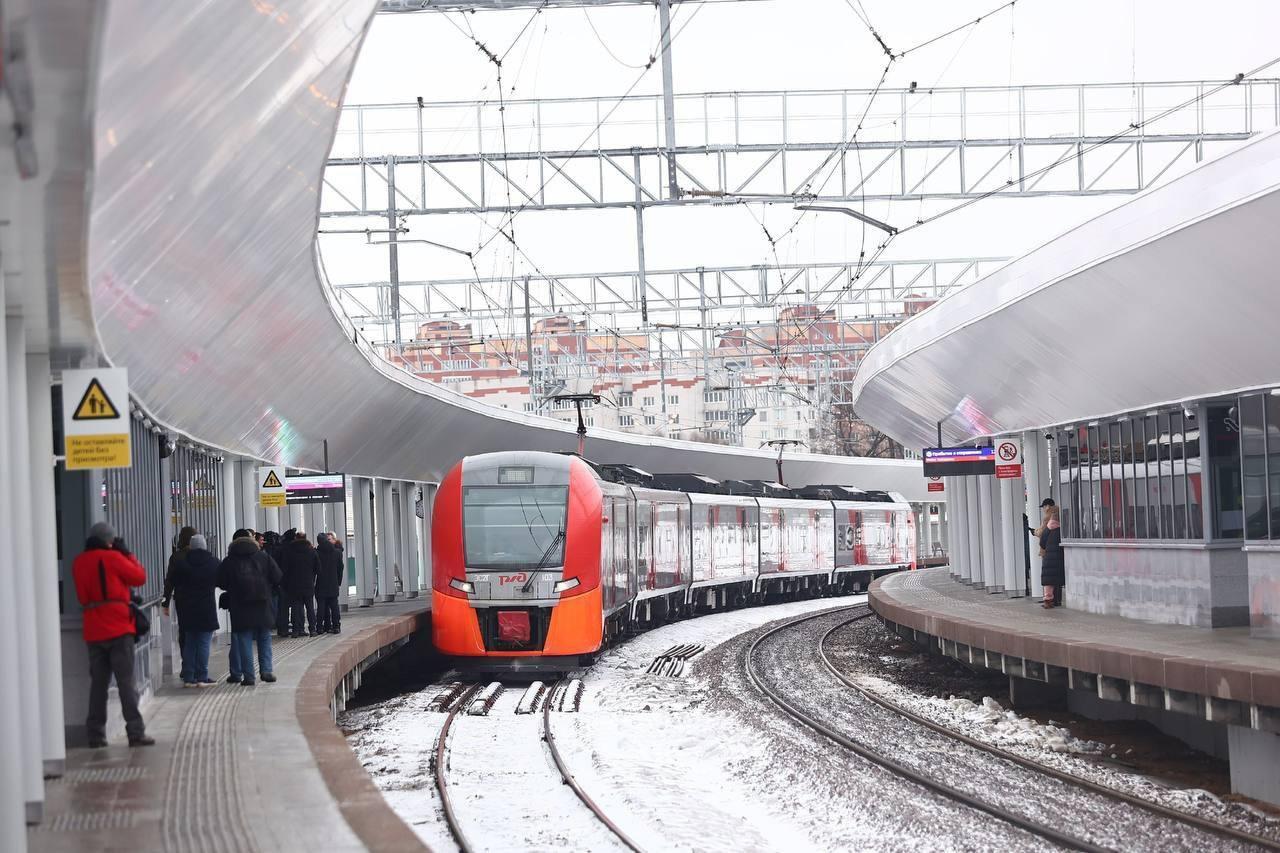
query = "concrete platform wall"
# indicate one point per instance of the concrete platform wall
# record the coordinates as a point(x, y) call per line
point(1205, 585)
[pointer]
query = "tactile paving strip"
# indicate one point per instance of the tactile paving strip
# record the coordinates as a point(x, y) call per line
point(91, 821)
point(203, 805)
point(90, 776)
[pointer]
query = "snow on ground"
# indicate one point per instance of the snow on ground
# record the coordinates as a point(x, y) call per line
point(1055, 747)
point(673, 773)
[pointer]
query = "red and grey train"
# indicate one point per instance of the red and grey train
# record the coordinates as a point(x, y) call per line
point(541, 559)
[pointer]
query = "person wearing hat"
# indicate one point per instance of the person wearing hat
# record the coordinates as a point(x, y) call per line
point(104, 573)
point(194, 577)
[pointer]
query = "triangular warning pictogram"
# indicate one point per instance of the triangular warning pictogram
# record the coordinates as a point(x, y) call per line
point(95, 405)
point(272, 481)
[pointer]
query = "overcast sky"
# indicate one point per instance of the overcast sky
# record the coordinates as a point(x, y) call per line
point(780, 44)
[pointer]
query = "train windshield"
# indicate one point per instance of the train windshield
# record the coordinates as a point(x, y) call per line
point(514, 527)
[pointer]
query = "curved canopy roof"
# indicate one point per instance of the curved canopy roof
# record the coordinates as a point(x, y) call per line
point(212, 124)
point(1169, 297)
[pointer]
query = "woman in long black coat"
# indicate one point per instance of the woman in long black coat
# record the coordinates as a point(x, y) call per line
point(1053, 569)
point(193, 576)
point(300, 566)
point(328, 582)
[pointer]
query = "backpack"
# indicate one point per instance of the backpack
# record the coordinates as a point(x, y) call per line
point(250, 582)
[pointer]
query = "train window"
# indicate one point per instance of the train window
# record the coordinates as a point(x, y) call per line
point(514, 527)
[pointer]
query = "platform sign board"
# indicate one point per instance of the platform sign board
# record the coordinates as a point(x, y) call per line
point(271, 486)
point(316, 489)
point(1008, 459)
point(935, 484)
point(959, 461)
point(95, 418)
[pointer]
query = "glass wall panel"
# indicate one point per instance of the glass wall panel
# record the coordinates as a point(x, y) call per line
point(1224, 472)
point(1151, 439)
point(1118, 493)
point(1138, 458)
point(1253, 466)
point(1273, 462)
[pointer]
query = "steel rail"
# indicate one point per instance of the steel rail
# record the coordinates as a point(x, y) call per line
point(1030, 764)
point(890, 764)
point(442, 786)
point(568, 777)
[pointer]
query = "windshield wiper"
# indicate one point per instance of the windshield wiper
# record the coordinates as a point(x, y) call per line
point(542, 562)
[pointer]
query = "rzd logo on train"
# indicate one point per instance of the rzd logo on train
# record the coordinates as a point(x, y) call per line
point(503, 580)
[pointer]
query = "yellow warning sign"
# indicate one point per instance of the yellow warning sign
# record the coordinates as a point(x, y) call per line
point(97, 451)
point(271, 490)
point(95, 405)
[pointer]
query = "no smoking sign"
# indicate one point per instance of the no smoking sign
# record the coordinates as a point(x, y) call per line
point(1008, 460)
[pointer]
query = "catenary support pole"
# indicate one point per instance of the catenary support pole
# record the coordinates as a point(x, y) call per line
point(44, 540)
point(668, 99)
point(22, 606)
point(642, 277)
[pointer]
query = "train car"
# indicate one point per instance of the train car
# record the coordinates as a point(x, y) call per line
point(539, 560)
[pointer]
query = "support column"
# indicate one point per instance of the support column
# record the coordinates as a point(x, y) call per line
point(249, 512)
point(412, 554)
point(926, 518)
point(229, 521)
point(1011, 524)
point(960, 530)
point(384, 514)
point(944, 524)
point(21, 607)
point(424, 541)
point(13, 834)
point(340, 530)
point(973, 530)
point(44, 540)
point(995, 524)
point(1035, 474)
point(362, 514)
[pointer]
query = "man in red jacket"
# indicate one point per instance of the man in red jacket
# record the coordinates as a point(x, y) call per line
point(104, 574)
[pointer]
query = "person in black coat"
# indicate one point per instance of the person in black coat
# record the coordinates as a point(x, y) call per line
point(300, 565)
point(248, 574)
point(279, 601)
point(328, 616)
point(193, 576)
point(1053, 569)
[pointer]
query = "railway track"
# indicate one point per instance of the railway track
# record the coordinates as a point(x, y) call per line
point(1104, 799)
point(548, 737)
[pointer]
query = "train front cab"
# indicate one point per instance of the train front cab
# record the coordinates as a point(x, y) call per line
point(517, 579)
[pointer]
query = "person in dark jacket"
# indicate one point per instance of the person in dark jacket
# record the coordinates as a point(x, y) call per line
point(104, 574)
point(328, 617)
point(193, 579)
point(180, 546)
point(300, 566)
point(275, 547)
point(247, 574)
point(1053, 570)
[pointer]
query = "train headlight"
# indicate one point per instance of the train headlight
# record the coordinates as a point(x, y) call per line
point(462, 586)
point(566, 584)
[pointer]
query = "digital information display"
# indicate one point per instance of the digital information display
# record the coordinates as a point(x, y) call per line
point(315, 489)
point(959, 461)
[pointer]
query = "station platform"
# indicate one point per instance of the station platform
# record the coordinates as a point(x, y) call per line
point(242, 768)
point(1220, 677)
point(1224, 673)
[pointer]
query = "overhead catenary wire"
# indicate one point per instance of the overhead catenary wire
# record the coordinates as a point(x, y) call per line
point(1133, 126)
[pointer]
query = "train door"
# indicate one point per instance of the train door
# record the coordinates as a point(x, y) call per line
point(683, 543)
point(607, 527)
point(630, 577)
point(647, 555)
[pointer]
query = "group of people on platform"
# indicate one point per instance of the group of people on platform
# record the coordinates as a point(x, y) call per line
point(270, 581)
